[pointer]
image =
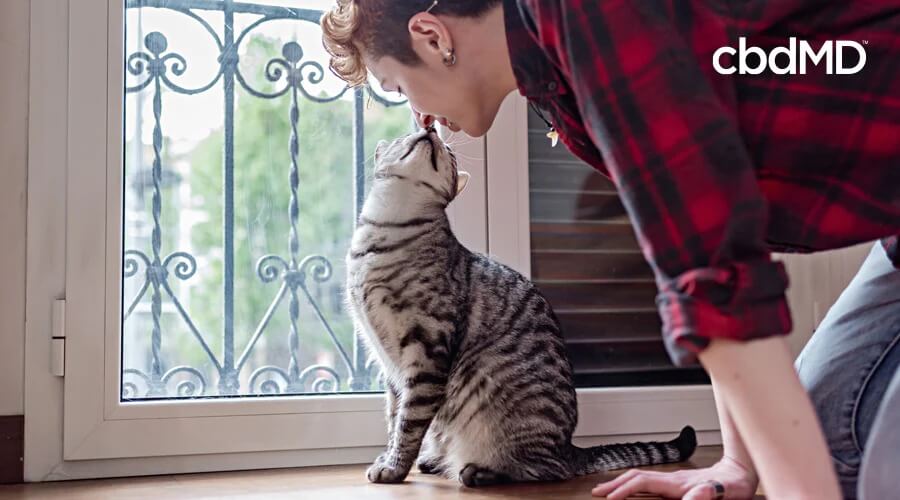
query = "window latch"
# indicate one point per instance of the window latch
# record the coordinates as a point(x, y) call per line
point(58, 339)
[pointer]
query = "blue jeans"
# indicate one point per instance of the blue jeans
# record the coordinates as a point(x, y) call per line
point(850, 368)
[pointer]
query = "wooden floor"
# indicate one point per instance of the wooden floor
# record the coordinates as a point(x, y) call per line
point(327, 483)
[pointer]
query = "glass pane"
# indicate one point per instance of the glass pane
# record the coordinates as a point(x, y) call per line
point(245, 165)
point(586, 260)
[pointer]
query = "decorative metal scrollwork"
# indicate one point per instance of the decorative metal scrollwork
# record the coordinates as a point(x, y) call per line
point(156, 67)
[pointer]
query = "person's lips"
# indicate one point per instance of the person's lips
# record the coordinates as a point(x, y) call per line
point(425, 121)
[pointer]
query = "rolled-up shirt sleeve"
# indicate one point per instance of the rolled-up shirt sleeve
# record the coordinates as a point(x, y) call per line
point(675, 152)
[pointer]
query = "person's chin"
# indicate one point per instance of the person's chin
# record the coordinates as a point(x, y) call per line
point(482, 124)
point(475, 129)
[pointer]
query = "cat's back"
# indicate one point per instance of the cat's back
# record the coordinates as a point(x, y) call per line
point(510, 366)
point(510, 328)
point(503, 291)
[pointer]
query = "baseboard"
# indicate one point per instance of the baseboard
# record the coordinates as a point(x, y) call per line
point(12, 432)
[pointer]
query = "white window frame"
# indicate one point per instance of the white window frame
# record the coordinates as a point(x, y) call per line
point(73, 430)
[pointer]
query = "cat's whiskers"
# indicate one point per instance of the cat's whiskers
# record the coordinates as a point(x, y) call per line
point(463, 156)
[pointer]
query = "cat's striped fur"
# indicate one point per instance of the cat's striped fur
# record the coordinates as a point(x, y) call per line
point(478, 383)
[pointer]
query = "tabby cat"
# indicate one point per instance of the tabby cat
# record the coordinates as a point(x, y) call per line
point(477, 380)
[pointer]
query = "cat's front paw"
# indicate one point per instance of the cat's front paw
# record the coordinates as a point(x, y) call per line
point(380, 459)
point(382, 472)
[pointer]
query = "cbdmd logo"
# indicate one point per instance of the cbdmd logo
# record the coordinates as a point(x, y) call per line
point(754, 60)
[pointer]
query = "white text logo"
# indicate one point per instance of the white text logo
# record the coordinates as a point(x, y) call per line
point(754, 60)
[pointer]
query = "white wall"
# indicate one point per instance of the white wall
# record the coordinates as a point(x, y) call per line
point(816, 282)
point(13, 166)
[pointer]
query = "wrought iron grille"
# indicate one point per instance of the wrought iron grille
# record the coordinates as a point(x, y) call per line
point(152, 271)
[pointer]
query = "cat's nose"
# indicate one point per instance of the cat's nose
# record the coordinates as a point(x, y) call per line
point(426, 134)
point(432, 134)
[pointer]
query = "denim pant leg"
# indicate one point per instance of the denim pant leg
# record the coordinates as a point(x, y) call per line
point(879, 477)
point(850, 361)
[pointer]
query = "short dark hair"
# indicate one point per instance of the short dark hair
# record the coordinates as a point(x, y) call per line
point(381, 27)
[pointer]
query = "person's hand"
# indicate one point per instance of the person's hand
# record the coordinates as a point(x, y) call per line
point(428, 120)
point(739, 482)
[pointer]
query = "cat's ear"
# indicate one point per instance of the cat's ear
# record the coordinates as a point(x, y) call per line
point(462, 179)
point(379, 149)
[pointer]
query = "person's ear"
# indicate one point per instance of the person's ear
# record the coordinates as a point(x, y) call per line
point(430, 36)
point(462, 179)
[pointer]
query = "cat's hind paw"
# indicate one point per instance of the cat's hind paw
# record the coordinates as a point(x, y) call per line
point(474, 476)
point(429, 466)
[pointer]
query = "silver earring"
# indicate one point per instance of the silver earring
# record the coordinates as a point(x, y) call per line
point(450, 57)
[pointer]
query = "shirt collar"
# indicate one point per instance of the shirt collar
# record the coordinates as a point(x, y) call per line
point(533, 71)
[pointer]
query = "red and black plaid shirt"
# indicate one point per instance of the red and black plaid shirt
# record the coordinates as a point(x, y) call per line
point(716, 171)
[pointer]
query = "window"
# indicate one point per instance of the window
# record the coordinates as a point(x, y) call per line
point(586, 260)
point(245, 166)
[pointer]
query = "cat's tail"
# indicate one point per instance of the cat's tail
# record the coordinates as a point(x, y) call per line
point(626, 455)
